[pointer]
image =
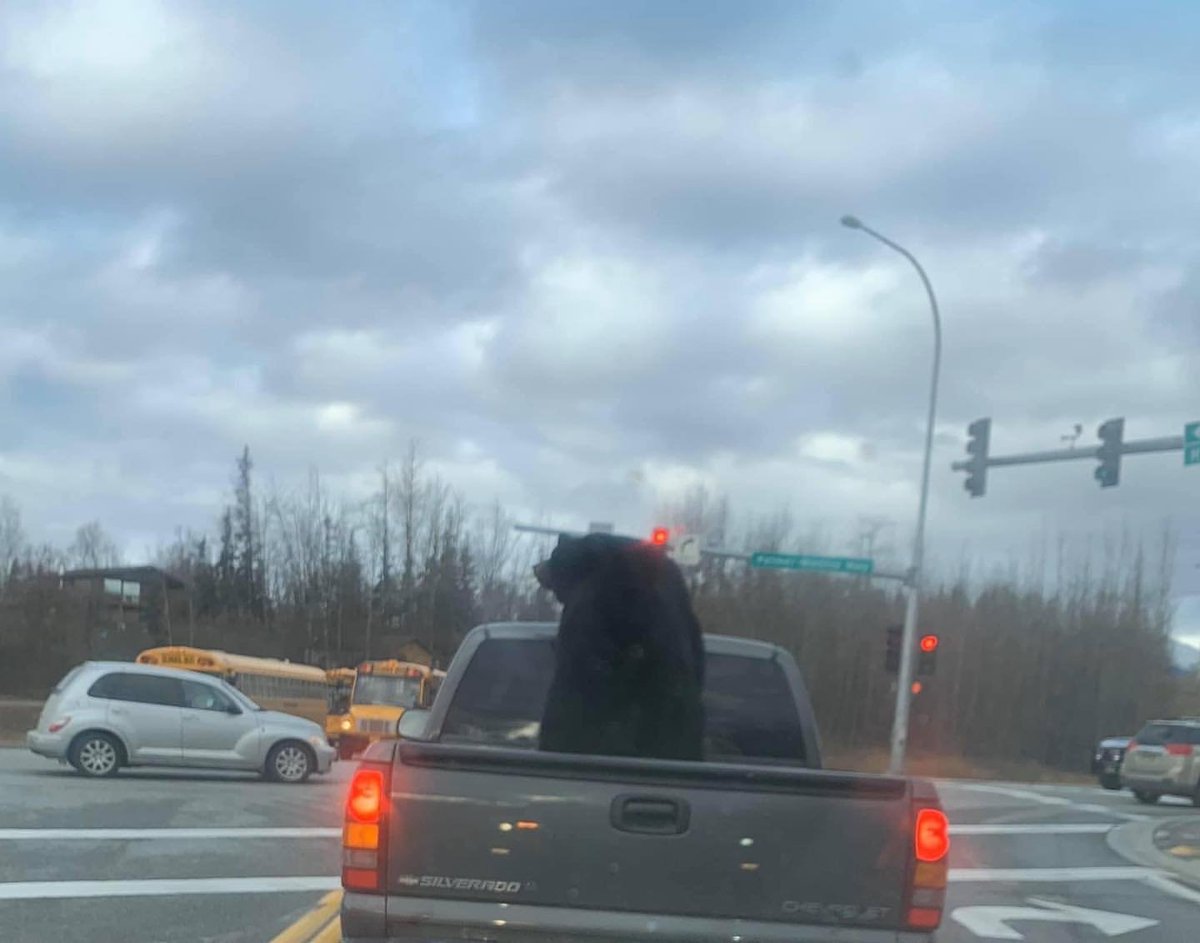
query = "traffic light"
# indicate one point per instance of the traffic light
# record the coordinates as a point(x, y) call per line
point(980, 432)
point(660, 536)
point(1111, 434)
point(895, 641)
point(927, 657)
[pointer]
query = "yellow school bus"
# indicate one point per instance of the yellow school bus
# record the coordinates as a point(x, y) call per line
point(382, 692)
point(433, 684)
point(339, 720)
point(275, 685)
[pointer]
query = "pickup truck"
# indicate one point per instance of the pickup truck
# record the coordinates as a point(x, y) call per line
point(463, 830)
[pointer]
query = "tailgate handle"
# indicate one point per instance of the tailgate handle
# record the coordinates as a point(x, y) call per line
point(650, 815)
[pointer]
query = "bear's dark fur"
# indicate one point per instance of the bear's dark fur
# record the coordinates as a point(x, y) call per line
point(629, 661)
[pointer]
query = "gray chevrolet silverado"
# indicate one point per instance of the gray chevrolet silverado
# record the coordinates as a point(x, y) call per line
point(463, 830)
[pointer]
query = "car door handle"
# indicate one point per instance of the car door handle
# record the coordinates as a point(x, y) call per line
point(650, 815)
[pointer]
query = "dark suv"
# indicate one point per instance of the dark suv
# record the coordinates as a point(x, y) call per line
point(1106, 763)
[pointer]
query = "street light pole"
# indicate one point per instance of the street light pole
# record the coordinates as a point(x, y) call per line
point(907, 656)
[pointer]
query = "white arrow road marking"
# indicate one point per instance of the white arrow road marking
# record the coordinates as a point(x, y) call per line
point(991, 923)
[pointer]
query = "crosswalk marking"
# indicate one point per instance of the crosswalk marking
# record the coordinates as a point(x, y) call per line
point(1048, 875)
point(140, 834)
point(163, 887)
point(1028, 795)
point(159, 887)
point(1039, 828)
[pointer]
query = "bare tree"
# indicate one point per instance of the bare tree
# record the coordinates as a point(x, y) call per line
point(93, 548)
point(12, 538)
point(493, 540)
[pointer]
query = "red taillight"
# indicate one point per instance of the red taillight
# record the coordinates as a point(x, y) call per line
point(1131, 746)
point(1179, 749)
point(660, 536)
point(59, 724)
point(930, 870)
point(365, 801)
point(925, 918)
point(364, 831)
point(932, 835)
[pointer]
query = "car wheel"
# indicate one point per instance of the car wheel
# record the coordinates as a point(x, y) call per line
point(1146, 798)
point(1110, 782)
point(1196, 796)
point(290, 762)
point(95, 754)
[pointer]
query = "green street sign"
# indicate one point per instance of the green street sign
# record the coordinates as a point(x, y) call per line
point(799, 561)
point(1191, 443)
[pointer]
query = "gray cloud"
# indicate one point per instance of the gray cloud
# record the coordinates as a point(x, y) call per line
point(589, 255)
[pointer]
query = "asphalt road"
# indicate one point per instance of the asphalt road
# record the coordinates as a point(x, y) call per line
point(1030, 861)
point(1027, 862)
point(62, 880)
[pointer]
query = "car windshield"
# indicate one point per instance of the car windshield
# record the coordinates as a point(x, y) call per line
point(391, 690)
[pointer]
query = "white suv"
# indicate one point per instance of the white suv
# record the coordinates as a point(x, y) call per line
point(105, 715)
point(1164, 760)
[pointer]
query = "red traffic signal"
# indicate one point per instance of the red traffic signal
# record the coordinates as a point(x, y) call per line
point(927, 656)
point(917, 687)
point(659, 536)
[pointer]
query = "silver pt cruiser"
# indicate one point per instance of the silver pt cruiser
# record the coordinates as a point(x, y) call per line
point(105, 715)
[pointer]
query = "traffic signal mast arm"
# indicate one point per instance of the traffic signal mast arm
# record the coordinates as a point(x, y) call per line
point(1111, 447)
point(1167, 443)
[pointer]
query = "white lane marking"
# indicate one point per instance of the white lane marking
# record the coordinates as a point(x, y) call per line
point(138, 834)
point(1028, 795)
point(163, 887)
point(1025, 795)
point(991, 923)
point(1165, 884)
point(1042, 828)
point(1048, 875)
point(159, 887)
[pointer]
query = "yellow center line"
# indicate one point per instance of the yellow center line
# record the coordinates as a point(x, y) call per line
point(322, 924)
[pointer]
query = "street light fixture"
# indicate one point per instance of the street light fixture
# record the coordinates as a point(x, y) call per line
point(907, 655)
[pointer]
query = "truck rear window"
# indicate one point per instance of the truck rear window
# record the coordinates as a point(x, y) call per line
point(749, 709)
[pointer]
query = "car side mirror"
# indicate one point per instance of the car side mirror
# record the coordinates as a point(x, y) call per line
point(412, 724)
point(233, 709)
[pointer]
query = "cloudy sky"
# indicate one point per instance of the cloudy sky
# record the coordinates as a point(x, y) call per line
point(588, 255)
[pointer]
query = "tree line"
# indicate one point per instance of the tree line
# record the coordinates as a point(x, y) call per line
point(1037, 661)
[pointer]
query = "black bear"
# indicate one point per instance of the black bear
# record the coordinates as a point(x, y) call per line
point(629, 660)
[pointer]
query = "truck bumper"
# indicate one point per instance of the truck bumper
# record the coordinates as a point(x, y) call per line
point(373, 918)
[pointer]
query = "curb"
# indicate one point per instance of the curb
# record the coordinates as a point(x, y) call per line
point(322, 924)
point(1135, 842)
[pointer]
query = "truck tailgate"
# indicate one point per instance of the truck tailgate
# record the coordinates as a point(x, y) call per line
point(763, 843)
